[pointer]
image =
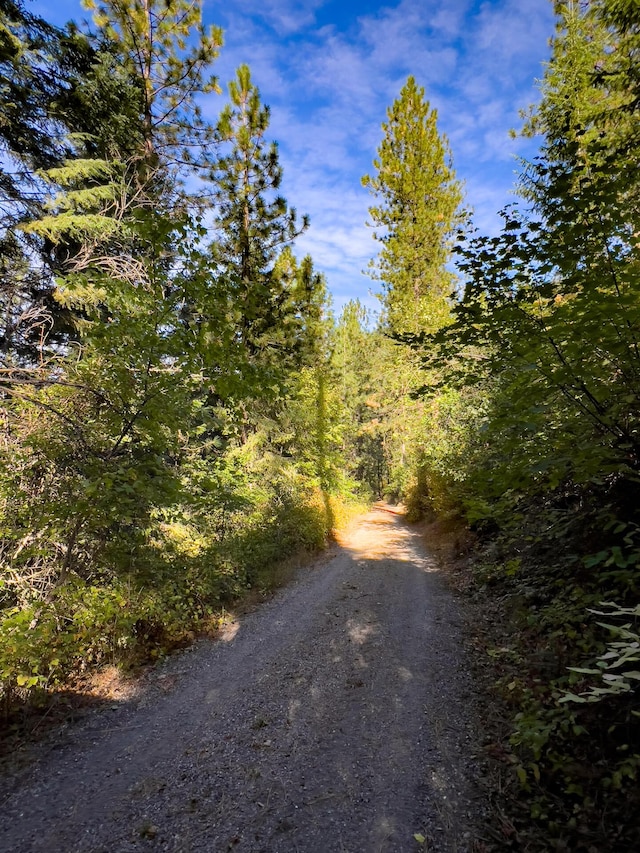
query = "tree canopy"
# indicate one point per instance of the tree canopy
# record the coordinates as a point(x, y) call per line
point(180, 409)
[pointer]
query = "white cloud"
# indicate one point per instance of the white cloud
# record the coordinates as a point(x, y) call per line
point(449, 20)
point(329, 81)
point(329, 88)
point(284, 16)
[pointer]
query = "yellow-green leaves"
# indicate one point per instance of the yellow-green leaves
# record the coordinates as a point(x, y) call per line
point(75, 226)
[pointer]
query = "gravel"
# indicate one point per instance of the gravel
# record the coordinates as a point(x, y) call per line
point(335, 717)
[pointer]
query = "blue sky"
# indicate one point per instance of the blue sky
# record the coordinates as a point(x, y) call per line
point(330, 68)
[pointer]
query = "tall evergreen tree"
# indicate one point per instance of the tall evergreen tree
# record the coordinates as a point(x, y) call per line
point(167, 48)
point(418, 206)
point(254, 224)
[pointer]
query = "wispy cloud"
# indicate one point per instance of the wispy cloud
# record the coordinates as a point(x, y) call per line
point(284, 17)
point(329, 71)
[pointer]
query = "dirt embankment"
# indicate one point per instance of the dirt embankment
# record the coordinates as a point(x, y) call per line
point(333, 718)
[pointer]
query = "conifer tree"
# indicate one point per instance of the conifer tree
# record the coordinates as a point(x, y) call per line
point(254, 225)
point(56, 85)
point(417, 209)
point(359, 363)
point(316, 405)
point(418, 206)
point(166, 46)
point(310, 315)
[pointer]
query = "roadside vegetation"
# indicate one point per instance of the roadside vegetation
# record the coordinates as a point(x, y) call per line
point(181, 410)
point(171, 414)
point(532, 382)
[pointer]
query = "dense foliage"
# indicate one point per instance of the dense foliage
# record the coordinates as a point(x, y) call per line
point(180, 411)
point(169, 408)
point(512, 406)
point(541, 357)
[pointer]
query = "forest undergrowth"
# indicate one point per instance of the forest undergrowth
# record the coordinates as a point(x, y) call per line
point(171, 418)
point(108, 632)
point(561, 767)
point(181, 410)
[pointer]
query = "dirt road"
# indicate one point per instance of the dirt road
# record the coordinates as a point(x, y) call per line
point(333, 718)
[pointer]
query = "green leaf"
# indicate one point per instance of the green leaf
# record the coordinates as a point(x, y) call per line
point(571, 697)
point(584, 670)
point(27, 680)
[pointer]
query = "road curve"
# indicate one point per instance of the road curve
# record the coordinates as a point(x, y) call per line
point(332, 719)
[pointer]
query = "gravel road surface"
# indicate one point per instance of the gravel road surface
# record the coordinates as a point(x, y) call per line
point(332, 719)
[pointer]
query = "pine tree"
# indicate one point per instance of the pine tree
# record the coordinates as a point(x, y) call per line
point(357, 363)
point(418, 206)
point(168, 49)
point(42, 70)
point(254, 224)
point(315, 405)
